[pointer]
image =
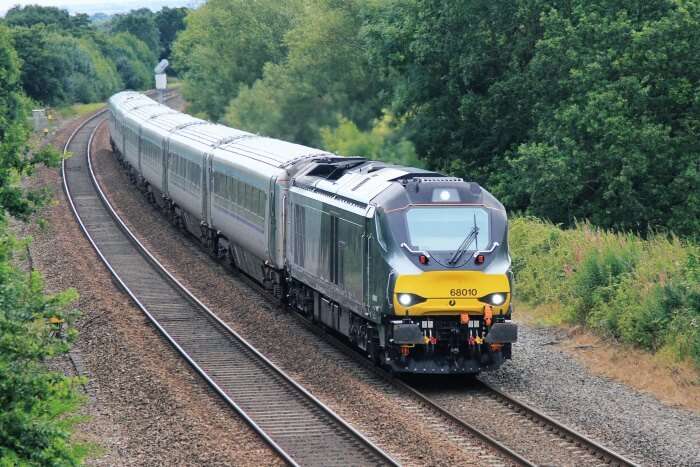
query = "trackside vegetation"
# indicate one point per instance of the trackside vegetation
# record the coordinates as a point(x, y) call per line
point(644, 292)
point(583, 109)
point(36, 405)
point(48, 57)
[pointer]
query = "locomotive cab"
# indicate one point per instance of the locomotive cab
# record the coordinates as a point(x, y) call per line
point(449, 290)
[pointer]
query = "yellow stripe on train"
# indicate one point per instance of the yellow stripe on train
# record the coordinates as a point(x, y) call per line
point(450, 292)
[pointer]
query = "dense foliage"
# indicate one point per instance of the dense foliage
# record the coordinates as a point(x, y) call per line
point(568, 110)
point(36, 405)
point(50, 16)
point(565, 109)
point(225, 46)
point(643, 292)
point(53, 58)
point(170, 21)
point(65, 59)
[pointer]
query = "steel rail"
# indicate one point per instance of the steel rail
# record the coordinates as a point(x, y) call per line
point(367, 452)
point(597, 449)
point(609, 456)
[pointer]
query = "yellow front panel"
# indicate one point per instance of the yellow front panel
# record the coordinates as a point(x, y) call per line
point(450, 292)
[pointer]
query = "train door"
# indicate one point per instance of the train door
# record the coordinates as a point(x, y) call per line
point(349, 256)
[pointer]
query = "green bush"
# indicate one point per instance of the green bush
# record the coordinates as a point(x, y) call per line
point(36, 405)
point(131, 57)
point(382, 142)
point(645, 292)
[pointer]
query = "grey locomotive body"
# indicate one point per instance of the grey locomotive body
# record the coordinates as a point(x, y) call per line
point(345, 241)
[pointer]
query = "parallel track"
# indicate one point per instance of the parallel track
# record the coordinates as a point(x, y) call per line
point(293, 422)
point(557, 434)
point(539, 438)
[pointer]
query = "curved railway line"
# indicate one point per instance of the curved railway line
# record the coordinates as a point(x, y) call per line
point(293, 422)
point(282, 412)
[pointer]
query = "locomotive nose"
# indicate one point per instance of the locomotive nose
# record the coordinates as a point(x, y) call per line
point(450, 293)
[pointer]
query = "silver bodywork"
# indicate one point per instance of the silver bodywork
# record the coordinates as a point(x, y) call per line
point(184, 157)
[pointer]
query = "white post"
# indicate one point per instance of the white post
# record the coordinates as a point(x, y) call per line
point(161, 84)
point(161, 79)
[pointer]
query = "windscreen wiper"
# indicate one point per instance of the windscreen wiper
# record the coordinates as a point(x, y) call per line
point(465, 244)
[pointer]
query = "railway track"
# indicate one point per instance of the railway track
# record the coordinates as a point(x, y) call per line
point(522, 434)
point(543, 440)
point(293, 422)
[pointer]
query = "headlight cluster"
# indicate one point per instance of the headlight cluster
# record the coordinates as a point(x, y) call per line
point(495, 299)
point(409, 299)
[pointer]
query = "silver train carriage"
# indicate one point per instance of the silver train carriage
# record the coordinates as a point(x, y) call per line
point(411, 266)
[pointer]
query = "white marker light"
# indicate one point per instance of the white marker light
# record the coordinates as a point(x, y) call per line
point(405, 299)
point(445, 195)
point(498, 299)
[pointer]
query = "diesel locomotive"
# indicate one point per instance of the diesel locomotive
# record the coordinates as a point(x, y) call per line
point(410, 265)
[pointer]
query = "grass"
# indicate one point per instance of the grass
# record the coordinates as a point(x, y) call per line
point(642, 292)
point(78, 110)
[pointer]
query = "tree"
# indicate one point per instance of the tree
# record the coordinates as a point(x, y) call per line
point(15, 159)
point(382, 142)
point(225, 45)
point(170, 21)
point(131, 57)
point(325, 76)
point(565, 109)
point(618, 113)
point(35, 404)
point(41, 78)
point(457, 74)
point(142, 24)
point(85, 75)
point(32, 15)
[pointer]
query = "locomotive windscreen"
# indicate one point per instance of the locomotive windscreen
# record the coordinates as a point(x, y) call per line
point(444, 228)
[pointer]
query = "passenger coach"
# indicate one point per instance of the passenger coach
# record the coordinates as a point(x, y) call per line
point(411, 266)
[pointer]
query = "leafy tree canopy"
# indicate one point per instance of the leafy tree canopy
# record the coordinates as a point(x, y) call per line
point(565, 109)
point(382, 142)
point(324, 75)
point(60, 68)
point(616, 138)
point(15, 158)
point(31, 15)
point(131, 57)
point(142, 24)
point(226, 44)
point(169, 21)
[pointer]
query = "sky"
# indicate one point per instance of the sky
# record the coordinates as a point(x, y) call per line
point(97, 6)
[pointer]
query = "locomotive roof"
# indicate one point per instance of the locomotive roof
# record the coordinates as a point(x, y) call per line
point(359, 182)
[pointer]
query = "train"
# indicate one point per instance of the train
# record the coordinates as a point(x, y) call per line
point(411, 266)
